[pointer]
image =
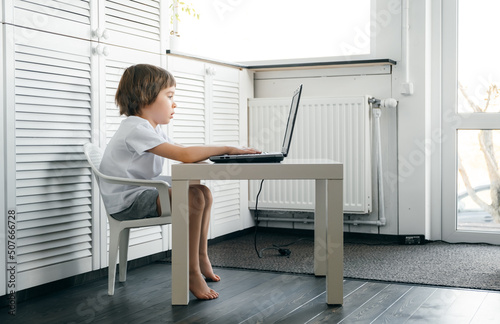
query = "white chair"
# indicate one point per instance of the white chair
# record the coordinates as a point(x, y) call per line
point(119, 230)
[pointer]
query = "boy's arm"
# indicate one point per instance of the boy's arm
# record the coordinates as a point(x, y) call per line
point(189, 154)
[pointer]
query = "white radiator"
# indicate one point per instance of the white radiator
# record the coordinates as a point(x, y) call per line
point(326, 128)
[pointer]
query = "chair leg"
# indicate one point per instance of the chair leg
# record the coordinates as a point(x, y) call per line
point(114, 236)
point(124, 241)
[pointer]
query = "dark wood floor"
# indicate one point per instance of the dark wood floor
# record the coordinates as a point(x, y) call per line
point(257, 297)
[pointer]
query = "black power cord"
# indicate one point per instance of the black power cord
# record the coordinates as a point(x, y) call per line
point(280, 248)
point(256, 216)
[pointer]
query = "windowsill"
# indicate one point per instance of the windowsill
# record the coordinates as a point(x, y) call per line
point(205, 59)
point(288, 66)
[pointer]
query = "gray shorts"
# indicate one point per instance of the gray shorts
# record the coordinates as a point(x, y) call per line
point(144, 206)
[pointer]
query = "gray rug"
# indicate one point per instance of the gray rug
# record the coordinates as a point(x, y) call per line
point(435, 263)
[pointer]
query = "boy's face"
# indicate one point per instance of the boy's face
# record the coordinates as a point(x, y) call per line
point(161, 111)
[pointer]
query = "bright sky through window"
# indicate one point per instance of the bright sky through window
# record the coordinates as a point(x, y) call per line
point(267, 30)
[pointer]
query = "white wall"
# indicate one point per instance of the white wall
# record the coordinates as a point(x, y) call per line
point(419, 116)
point(435, 41)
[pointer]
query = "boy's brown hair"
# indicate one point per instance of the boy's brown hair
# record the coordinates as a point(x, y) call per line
point(139, 86)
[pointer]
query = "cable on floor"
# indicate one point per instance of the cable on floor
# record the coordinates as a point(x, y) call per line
point(280, 248)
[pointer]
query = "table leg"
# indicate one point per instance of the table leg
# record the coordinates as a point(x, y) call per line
point(320, 216)
point(180, 243)
point(335, 243)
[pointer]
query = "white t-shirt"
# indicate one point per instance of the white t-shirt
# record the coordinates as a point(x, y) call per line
point(125, 156)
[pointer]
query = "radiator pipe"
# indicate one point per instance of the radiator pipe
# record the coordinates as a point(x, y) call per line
point(310, 220)
point(286, 219)
point(376, 105)
point(364, 222)
point(377, 112)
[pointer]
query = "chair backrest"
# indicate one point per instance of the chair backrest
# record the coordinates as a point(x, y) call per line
point(93, 154)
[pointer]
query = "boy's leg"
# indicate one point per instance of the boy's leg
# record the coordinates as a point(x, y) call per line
point(158, 205)
point(205, 265)
point(197, 284)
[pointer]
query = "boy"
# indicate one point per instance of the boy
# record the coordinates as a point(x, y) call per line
point(145, 95)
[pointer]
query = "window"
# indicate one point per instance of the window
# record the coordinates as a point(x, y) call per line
point(478, 55)
point(470, 122)
point(267, 30)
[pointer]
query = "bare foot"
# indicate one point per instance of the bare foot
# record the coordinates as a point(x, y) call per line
point(206, 269)
point(199, 287)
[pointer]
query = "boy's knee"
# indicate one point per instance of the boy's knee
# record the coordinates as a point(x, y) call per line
point(196, 196)
point(206, 193)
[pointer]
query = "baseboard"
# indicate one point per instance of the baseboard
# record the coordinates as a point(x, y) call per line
point(277, 230)
point(349, 237)
point(291, 231)
point(370, 238)
point(231, 235)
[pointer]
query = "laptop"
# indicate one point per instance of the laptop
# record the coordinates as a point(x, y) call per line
point(268, 157)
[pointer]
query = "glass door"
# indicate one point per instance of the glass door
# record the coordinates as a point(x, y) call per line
point(471, 121)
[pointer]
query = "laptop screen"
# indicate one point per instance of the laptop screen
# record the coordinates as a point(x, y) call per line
point(291, 121)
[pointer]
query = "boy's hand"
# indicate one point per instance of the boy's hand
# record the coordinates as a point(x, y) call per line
point(242, 150)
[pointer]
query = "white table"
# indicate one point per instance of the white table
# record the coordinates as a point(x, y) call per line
point(328, 222)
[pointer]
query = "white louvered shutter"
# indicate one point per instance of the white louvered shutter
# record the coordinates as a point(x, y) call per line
point(3, 163)
point(225, 130)
point(58, 97)
point(53, 183)
point(134, 24)
point(67, 17)
point(189, 125)
point(208, 112)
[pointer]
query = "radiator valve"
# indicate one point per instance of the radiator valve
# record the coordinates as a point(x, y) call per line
point(383, 103)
